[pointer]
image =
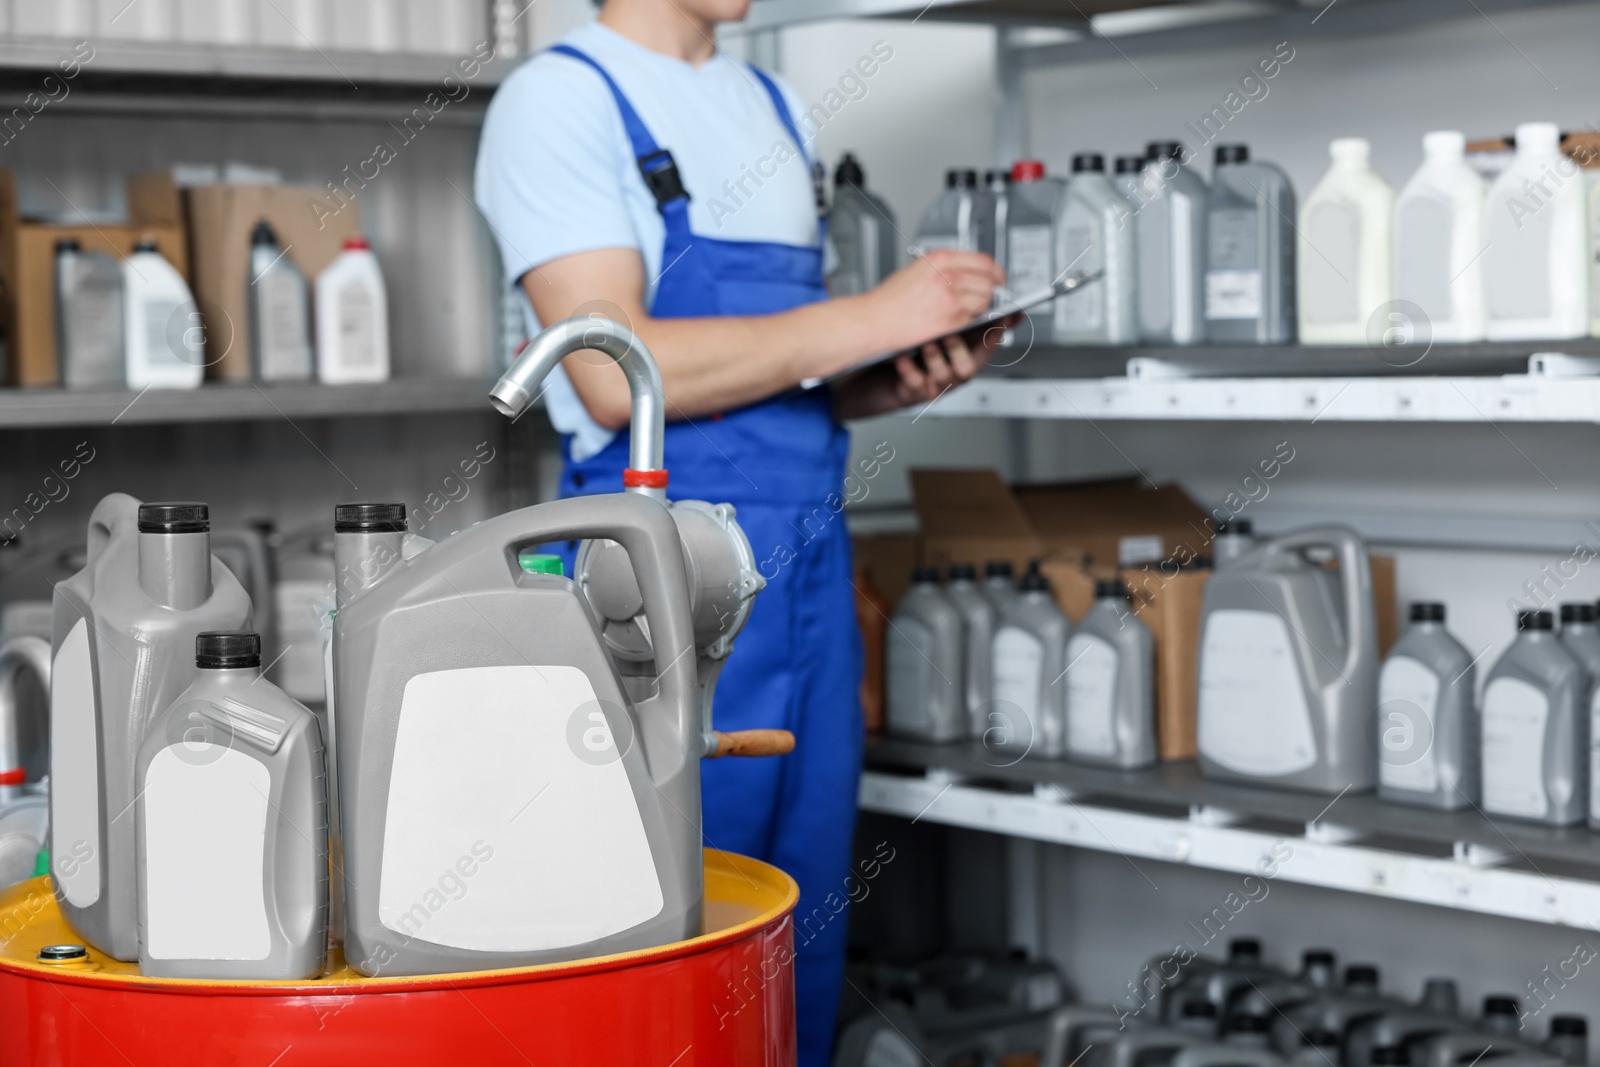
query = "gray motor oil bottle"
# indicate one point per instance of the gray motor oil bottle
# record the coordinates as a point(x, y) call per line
point(1093, 234)
point(1125, 176)
point(88, 316)
point(999, 584)
point(1535, 730)
point(124, 637)
point(1582, 638)
point(1111, 716)
point(1028, 715)
point(1225, 1054)
point(1333, 1011)
point(1234, 537)
point(467, 689)
point(1400, 1027)
point(1033, 202)
point(962, 218)
point(1288, 670)
point(279, 304)
point(862, 230)
point(1071, 1030)
point(1171, 232)
point(998, 185)
point(1140, 1048)
point(1428, 745)
point(978, 619)
point(925, 664)
point(232, 826)
point(1569, 1039)
point(1250, 248)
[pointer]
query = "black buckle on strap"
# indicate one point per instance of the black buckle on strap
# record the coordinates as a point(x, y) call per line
point(660, 172)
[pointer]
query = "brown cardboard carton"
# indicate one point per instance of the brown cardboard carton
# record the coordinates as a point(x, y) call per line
point(221, 218)
point(888, 560)
point(27, 262)
point(970, 516)
point(1116, 522)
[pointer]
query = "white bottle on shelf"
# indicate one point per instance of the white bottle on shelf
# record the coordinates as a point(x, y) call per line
point(352, 318)
point(164, 341)
point(1438, 240)
point(1536, 269)
point(1343, 249)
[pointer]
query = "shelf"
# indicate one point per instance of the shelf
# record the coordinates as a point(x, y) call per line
point(1170, 813)
point(221, 402)
point(1510, 398)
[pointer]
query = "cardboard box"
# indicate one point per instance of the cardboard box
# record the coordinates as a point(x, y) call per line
point(1115, 523)
point(970, 516)
point(221, 218)
point(27, 261)
point(888, 560)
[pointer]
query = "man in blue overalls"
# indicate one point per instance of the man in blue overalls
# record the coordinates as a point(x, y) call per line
point(635, 172)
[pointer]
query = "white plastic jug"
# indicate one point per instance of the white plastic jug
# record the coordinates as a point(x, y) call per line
point(1438, 240)
point(1343, 250)
point(161, 325)
point(352, 316)
point(1536, 269)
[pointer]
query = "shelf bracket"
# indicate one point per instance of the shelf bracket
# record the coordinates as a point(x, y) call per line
point(1328, 833)
point(1562, 365)
point(1211, 815)
point(1473, 854)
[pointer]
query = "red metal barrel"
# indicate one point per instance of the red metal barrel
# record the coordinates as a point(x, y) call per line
point(725, 997)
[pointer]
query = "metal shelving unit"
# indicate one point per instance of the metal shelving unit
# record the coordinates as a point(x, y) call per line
point(219, 402)
point(1460, 860)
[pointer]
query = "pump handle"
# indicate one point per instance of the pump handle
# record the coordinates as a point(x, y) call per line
point(753, 743)
point(1355, 575)
point(114, 511)
point(25, 653)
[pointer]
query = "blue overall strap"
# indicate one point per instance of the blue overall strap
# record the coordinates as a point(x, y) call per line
point(656, 164)
point(781, 106)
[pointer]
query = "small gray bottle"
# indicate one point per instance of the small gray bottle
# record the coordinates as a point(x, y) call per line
point(232, 825)
point(280, 318)
point(962, 218)
point(1428, 743)
point(1028, 715)
point(1536, 729)
point(1126, 178)
point(925, 661)
point(1250, 252)
point(999, 585)
point(978, 619)
point(88, 316)
point(1171, 232)
point(1234, 537)
point(1569, 1039)
point(1111, 717)
point(862, 229)
point(1582, 638)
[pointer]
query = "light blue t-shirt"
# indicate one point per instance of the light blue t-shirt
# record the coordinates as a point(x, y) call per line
point(556, 174)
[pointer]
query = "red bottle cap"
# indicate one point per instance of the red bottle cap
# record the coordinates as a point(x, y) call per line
point(632, 479)
point(1027, 170)
point(355, 243)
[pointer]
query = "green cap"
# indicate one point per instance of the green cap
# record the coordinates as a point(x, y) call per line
point(540, 562)
point(41, 863)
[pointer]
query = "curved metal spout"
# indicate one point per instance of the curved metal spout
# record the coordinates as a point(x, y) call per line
point(516, 389)
point(17, 656)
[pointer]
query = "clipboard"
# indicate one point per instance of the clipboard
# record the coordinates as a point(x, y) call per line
point(973, 330)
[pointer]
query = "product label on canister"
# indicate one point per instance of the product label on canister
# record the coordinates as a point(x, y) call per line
point(1328, 274)
point(1028, 267)
point(1233, 294)
point(1408, 698)
point(1233, 283)
point(1253, 714)
point(1091, 696)
point(1423, 267)
point(357, 342)
point(1515, 715)
point(1081, 249)
point(909, 659)
point(1018, 689)
point(75, 846)
point(1517, 272)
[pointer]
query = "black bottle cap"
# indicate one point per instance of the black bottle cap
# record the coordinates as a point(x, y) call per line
point(849, 171)
point(1316, 957)
point(146, 244)
point(925, 575)
point(1033, 581)
point(263, 234)
point(1570, 1026)
point(990, 177)
point(1198, 1009)
point(1164, 150)
point(1500, 1004)
point(1106, 588)
point(1390, 1056)
point(1244, 950)
point(58, 953)
point(184, 517)
point(960, 572)
point(1361, 974)
point(1427, 611)
point(68, 244)
point(220, 650)
point(961, 178)
point(1088, 161)
point(1129, 164)
point(1320, 1038)
point(1233, 153)
point(1247, 1024)
point(1577, 613)
point(997, 568)
point(1243, 527)
point(1535, 620)
point(369, 518)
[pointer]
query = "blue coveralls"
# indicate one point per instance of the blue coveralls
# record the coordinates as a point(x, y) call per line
point(797, 663)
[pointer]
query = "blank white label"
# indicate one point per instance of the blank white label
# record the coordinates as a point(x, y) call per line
point(205, 850)
point(1408, 698)
point(1332, 263)
point(1028, 267)
point(484, 769)
point(909, 657)
point(75, 845)
point(1018, 662)
point(1233, 294)
point(1514, 718)
point(357, 326)
point(1091, 696)
point(1253, 714)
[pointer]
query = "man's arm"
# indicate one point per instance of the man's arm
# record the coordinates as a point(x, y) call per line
point(717, 364)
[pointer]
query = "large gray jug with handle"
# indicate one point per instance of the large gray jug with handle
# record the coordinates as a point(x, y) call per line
point(1289, 667)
